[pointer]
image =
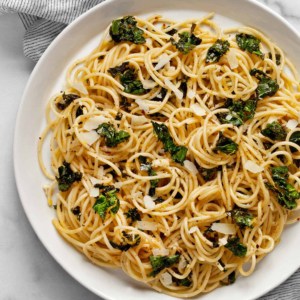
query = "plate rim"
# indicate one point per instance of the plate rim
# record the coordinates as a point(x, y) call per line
point(52, 45)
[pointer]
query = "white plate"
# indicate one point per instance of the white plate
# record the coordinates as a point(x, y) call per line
point(48, 77)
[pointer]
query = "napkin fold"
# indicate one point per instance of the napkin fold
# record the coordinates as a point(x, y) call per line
point(43, 21)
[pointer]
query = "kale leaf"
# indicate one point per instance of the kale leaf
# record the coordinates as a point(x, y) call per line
point(119, 69)
point(209, 174)
point(183, 282)
point(242, 217)
point(226, 145)
point(239, 112)
point(172, 31)
point(266, 85)
point(66, 177)
point(160, 96)
point(237, 248)
point(129, 241)
point(111, 136)
point(187, 42)
point(159, 263)
point(147, 166)
point(217, 50)
point(125, 29)
point(295, 138)
point(274, 131)
point(250, 43)
point(286, 193)
point(108, 200)
point(178, 153)
point(277, 58)
point(67, 99)
point(128, 79)
point(133, 214)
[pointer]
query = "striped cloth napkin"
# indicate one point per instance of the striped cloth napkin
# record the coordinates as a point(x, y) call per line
point(43, 21)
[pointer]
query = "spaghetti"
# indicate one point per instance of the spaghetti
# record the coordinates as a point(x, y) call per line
point(175, 149)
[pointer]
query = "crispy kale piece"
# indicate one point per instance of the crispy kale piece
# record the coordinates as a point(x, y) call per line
point(274, 131)
point(250, 43)
point(266, 85)
point(133, 214)
point(111, 136)
point(159, 263)
point(66, 100)
point(217, 50)
point(209, 174)
point(125, 29)
point(178, 153)
point(242, 217)
point(183, 282)
point(237, 248)
point(129, 241)
point(161, 96)
point(277, 58)
point(66, 177)
point(295, 138)
point(226, 145)
point(128, 78)
point(187, 42)
point(107, 201)
point(286, 193)
point(239, 112)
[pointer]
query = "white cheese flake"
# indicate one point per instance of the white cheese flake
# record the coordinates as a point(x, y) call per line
point(232, 59)
point(149, 202)
point(224, 228)
point(190, 166)
point(166, 278)
point(193, 229)
point(138, 120)
point(163, 252)
point(94, 192)
point(149, 84)
point(161, 162)
point(178, 93)
point(198, 110)
point(94, 122)
point(94, 180)
point(89, 137)
point(292, 124)
point(223, 241)
point(118, 185)
point(162, 61)
point(253, 167)
point(143, 105)
point(146, 225)
point(191, 94)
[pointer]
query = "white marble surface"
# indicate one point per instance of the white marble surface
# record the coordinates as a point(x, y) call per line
point(27, 271)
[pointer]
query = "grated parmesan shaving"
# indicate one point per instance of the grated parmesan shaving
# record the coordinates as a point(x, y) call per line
point(253, 167)
point(138, 120)
point(190, 167)
point(142, 105)
point(224, 228)
point(166, 278)
point(162, 61)
point(193, 229)
point(162, 162)
point(149, 84)
point(292, 124)
point(191, 94)
point(94, 192)
point(157, 251)
point(198, 110)
point(146, 225)
point(94, 122)
point(172, 87)
point(232, 59)
point(89, 137)
point(149, 202)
